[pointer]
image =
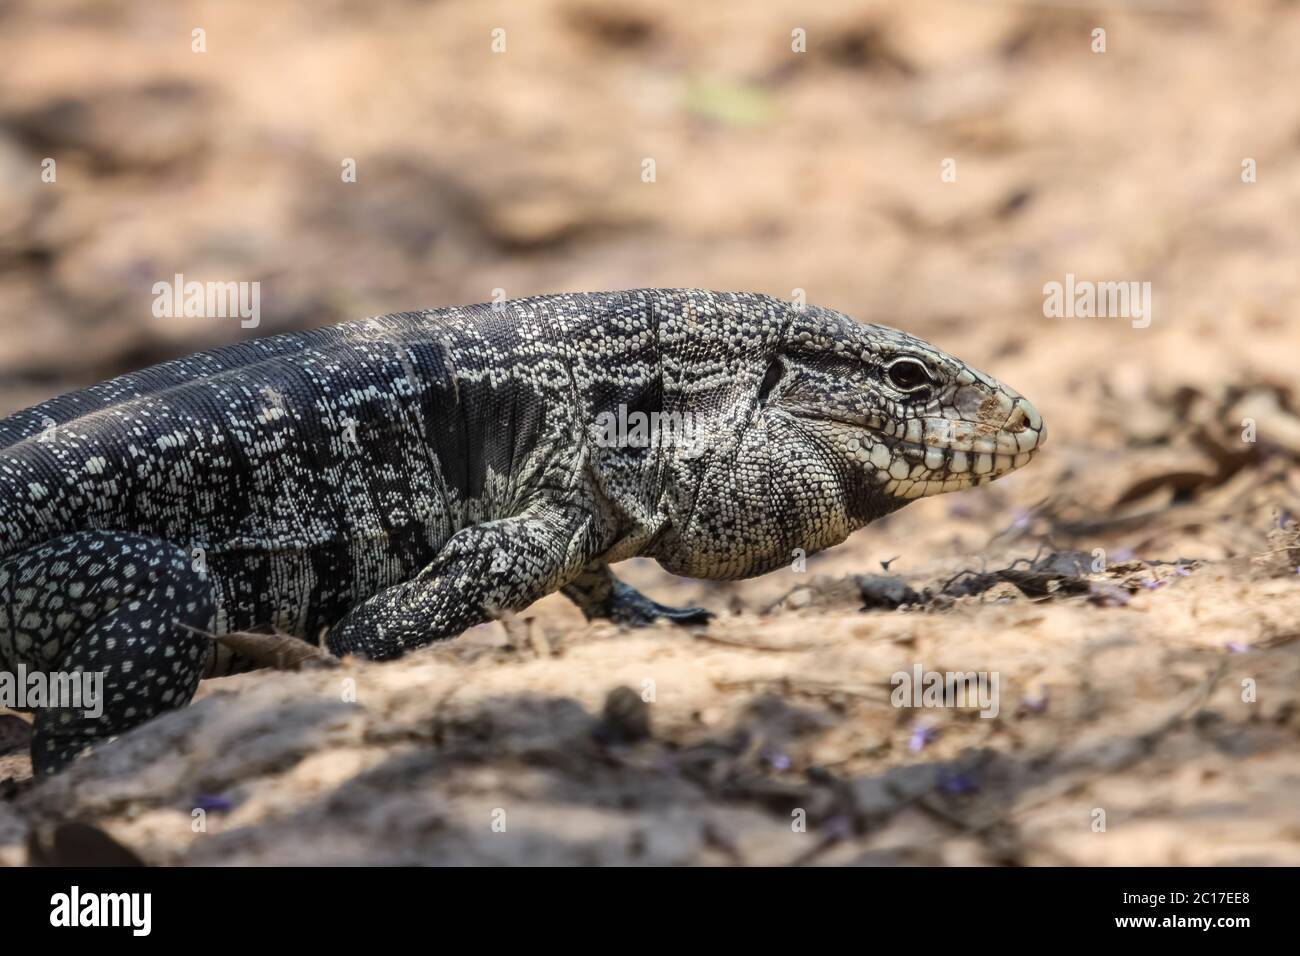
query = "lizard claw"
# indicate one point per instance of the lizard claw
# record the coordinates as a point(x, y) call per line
point(629, 606)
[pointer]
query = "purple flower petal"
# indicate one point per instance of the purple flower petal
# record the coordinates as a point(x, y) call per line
point(1034, 704)
point(921, 735)
point(956, 782)
point(839, 826)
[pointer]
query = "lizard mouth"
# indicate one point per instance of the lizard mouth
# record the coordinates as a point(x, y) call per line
point(911, 470)
point(930, 456)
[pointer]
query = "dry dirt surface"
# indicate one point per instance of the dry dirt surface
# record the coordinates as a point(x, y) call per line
point(1134, 591)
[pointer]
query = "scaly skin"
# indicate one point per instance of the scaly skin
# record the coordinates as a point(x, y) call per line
point(391, 482)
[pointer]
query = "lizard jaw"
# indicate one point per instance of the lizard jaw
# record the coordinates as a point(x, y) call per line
point(917, 471)
point(937, 455)
point(930, 456)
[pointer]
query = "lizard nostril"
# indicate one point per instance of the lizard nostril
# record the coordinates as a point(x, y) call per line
point(1018, 421)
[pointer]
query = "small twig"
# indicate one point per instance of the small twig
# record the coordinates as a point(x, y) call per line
point(277, 651)
point(749, 645)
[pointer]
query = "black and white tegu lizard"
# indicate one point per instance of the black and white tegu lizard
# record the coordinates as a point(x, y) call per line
point(392, 482)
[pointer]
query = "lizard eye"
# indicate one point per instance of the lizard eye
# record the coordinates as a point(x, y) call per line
point(908, 375)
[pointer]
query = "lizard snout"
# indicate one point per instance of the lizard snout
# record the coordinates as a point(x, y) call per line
point(984, 434)
point(1026, 426)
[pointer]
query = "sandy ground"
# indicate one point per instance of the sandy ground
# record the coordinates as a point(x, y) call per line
point(1135, 590)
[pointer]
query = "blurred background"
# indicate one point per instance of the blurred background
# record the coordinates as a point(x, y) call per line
point(928, 164)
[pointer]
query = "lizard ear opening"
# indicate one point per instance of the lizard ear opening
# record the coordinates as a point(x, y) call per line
point(770, 379)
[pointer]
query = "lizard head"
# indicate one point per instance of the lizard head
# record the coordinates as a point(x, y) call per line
point(840, 423)
point(903, 419)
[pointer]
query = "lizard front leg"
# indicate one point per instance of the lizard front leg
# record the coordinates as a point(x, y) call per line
point(599, 594)
point(483, 570)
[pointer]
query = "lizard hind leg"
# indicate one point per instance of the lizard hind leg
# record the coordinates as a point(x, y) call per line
point(599, 594)
point(113, 621)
